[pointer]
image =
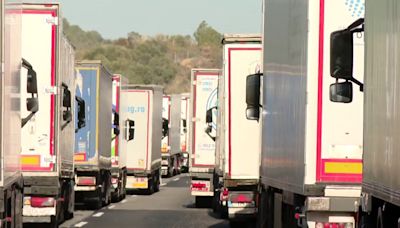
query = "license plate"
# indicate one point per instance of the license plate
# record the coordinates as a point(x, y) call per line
point(231, 204)
point(139, 185)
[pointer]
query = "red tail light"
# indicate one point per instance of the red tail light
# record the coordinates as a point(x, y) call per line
point(87, 181)
point(224, 195)
point(42, 202)
point(241, 198)
point(114, 180)
point(198, 185)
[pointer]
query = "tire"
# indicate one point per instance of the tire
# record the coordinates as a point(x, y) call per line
point(157, 183)
point(150, 189)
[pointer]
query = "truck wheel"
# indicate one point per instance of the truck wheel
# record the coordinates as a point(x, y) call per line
point(150, 189)
point(157, 183)
point(69, 203)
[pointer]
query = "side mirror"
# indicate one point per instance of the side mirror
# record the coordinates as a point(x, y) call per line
point(165, 127)
point(67, 115)
point(209, 118)
point(253, 83)
point(209, 129)
point(81, 112)
point(31, 85)
point(32, 104)
point(66, 97)
point(341, 92)
point(130, 130)
point(341, 65)
point(116, 123)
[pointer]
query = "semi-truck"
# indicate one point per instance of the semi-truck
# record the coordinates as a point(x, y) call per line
point(175, 134)
point(118, 170)
point(380, 201)
point(92, 154)
point(185, 130)
point(141, 124)
point(11, 184)
point(48, 137)
point(204, 94)
point(311, 166)
point(166, 160)
point(237, 161)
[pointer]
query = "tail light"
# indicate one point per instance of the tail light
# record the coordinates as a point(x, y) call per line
point(86, 181)
point(39, 201)
point(224, 195)
point(241, 198)
point(114, 180)
point(333, 225)
point(200, 186)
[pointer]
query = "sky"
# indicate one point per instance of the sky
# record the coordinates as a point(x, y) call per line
point(116, 18)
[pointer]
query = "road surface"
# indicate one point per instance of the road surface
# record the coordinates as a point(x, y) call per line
point(173, 206)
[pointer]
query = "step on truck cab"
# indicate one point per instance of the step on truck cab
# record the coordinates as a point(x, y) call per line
point(380, 201)
point(92, 144)
point(118, 171)
point(238, 152)
point(141, 129)
point(48, 137)
point(311, 149)
point(204, 94)
point(12, 76)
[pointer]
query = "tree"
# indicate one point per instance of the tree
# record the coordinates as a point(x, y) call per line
point(206, 35)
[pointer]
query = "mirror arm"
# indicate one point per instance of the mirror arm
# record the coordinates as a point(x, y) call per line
point(212, 137)
point(355, 81)
point(26, 119)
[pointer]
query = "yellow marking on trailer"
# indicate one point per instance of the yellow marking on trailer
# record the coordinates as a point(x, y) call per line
point(33, 160)
point(343, 167)
point(79, 157)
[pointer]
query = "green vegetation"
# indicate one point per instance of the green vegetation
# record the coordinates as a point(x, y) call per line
point(162, 59)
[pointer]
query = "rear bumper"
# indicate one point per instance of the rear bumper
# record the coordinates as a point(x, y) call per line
point(37, 213)
point(198, 193)
point(245, 212)
point(36, 219)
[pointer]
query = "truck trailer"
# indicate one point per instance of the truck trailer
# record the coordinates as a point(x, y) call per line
point(166, 160)
point(11, 184)
point(140, 118)
point(237, 155)
point(175, 133)
point(185, 130)
point(118, 170)
point(380, 201)
point(311, 166)
point(48, 137)
point(204, 94)
point(92, 144)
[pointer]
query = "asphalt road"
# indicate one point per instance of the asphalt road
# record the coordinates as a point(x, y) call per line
point(173, 206)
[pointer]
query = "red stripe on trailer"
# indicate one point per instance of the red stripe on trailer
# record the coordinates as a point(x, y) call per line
point(117, 78)
point(53, 80)
point(320, 84)
point(169, 114)
point(196, 74)
point(230, 102)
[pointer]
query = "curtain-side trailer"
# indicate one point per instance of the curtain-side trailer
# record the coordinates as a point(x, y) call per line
point(92, 144)
point(48, 137)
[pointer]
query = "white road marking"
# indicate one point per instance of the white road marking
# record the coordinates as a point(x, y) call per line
point(176, 179)
point(123, 201)
point(111, 207)
point(80, 224)
point(163, 184)
point(98, 214)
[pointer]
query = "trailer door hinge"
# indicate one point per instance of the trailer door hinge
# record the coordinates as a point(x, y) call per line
point(52, 20)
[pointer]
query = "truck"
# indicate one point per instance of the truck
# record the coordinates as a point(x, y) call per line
point(12, 76)
point(204, 94)
point(92, 154)
point(185, 130)
point(237, 155)
point(47, 138)
point(175, 134)
point(166, 160)
point(118, 166)
point(141, 122)
point(311, 166)
point(380, 199)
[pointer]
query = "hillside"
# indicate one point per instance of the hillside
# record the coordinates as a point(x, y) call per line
point(162, 59)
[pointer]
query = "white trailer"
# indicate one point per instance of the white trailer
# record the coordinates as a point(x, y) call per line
point(311, 162)
point(140, 116)
point(175, 133)
point(238, 154)
point(380, 202)
point(185, 129)
point(48, 137)
point(118, 166)
point(204, 89)
point(10, 54)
